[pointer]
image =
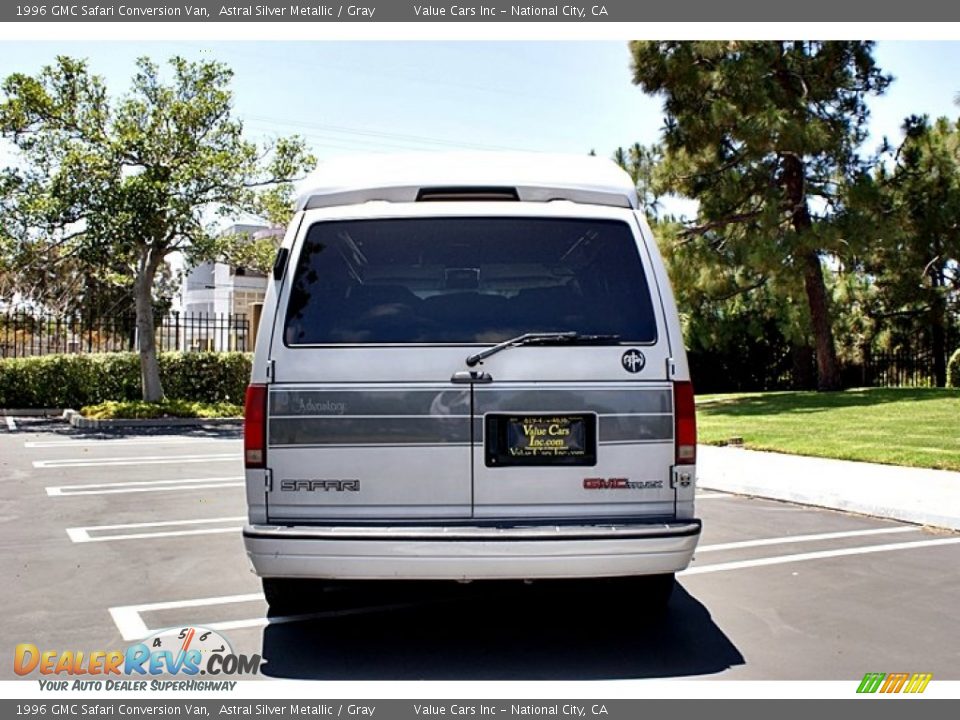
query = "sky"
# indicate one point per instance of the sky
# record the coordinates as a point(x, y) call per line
point(378, 96)
point(395, 96)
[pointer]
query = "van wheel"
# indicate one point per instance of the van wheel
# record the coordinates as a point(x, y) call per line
point(650, 592)
point(655, 590)
point(289, 596)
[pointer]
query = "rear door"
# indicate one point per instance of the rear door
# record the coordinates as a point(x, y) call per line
point(585, 430)
point(363, 426)
point(375, 415)
point(573, 449)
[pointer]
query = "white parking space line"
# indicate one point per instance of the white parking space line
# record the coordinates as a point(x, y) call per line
point(712, 496)
point(82, 534)
point(79, 537)
point(280, 619)
point(821, 555)
point(131, 626)
point(144, 486)
point(110, 442)
point(130, 623)
point(807, 538)
point(11, 424)
point(146, 460)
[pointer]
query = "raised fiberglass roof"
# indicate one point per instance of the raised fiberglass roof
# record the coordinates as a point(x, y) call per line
point(532, 177)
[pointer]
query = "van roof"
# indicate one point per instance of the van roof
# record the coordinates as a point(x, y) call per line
point(530, 177)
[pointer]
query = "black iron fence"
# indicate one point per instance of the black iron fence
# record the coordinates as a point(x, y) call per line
point(798, 370)
point(24, 333)
point(897, 369)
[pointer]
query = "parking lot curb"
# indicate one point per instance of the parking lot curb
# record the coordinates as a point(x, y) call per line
point(908, 494)
point(78, 421)
point(31, 412)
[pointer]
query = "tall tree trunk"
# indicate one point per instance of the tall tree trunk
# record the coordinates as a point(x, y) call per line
point(801, 366)
point(939, 354)
point(828, 371)
point(938, 334)
point(143, 296)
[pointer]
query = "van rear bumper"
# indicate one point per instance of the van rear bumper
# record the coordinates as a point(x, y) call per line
point(470, 553)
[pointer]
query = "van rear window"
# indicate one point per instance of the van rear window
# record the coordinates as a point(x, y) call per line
point(467, 280)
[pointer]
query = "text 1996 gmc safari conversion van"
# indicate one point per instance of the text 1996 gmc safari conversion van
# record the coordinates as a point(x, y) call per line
point(469, 367)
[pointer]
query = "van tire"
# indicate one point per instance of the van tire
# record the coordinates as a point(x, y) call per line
point(655, 590)
point(289, 596)
point(649, 592)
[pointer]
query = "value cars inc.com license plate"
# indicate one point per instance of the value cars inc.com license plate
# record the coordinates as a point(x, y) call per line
point(541, 439)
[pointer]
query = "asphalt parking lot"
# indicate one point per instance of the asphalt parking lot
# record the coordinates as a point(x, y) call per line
point(108, 537)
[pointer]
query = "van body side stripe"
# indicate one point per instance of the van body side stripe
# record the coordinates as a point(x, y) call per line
point(368, 431)
point(441, 416)
point(560, 399)
point(456, 400)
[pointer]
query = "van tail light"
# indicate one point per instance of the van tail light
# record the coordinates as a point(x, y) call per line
point(685, 423)
point(255, 427)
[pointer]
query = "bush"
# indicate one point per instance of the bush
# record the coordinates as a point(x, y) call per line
point(953, 370)
point(204, 377)
point(72, 381)
point(141, 410)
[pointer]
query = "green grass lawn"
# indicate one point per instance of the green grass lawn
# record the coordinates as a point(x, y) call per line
point(897, 426)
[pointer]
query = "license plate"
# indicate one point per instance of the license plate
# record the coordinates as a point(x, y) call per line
point(541, 439)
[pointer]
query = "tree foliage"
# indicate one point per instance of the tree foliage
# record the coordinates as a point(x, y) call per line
point(913, 258)
point(120, 184)
point(253, 252)
point(641, 162)
point(763, 135)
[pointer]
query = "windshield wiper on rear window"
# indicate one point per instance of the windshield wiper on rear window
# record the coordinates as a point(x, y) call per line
point(540, 338)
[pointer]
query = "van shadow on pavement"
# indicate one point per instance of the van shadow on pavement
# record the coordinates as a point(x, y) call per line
point(547, 631)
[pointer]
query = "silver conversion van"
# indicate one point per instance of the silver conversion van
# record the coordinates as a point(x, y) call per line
point(469, 367)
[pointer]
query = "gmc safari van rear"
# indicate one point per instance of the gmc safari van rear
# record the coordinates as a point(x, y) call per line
point(469, 368)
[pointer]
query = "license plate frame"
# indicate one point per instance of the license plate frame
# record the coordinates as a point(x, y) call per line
point(540, 439)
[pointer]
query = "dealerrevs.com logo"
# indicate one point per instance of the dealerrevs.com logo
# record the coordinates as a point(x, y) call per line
point(187, 652)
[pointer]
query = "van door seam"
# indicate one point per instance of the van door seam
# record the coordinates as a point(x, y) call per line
point(473, 450)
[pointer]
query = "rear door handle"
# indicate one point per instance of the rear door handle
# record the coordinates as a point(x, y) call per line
point(471, 376)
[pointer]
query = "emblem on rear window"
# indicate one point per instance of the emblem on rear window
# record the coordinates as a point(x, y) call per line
point(633, 361)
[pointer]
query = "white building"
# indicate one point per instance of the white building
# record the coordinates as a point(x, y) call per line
point(216, 300)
